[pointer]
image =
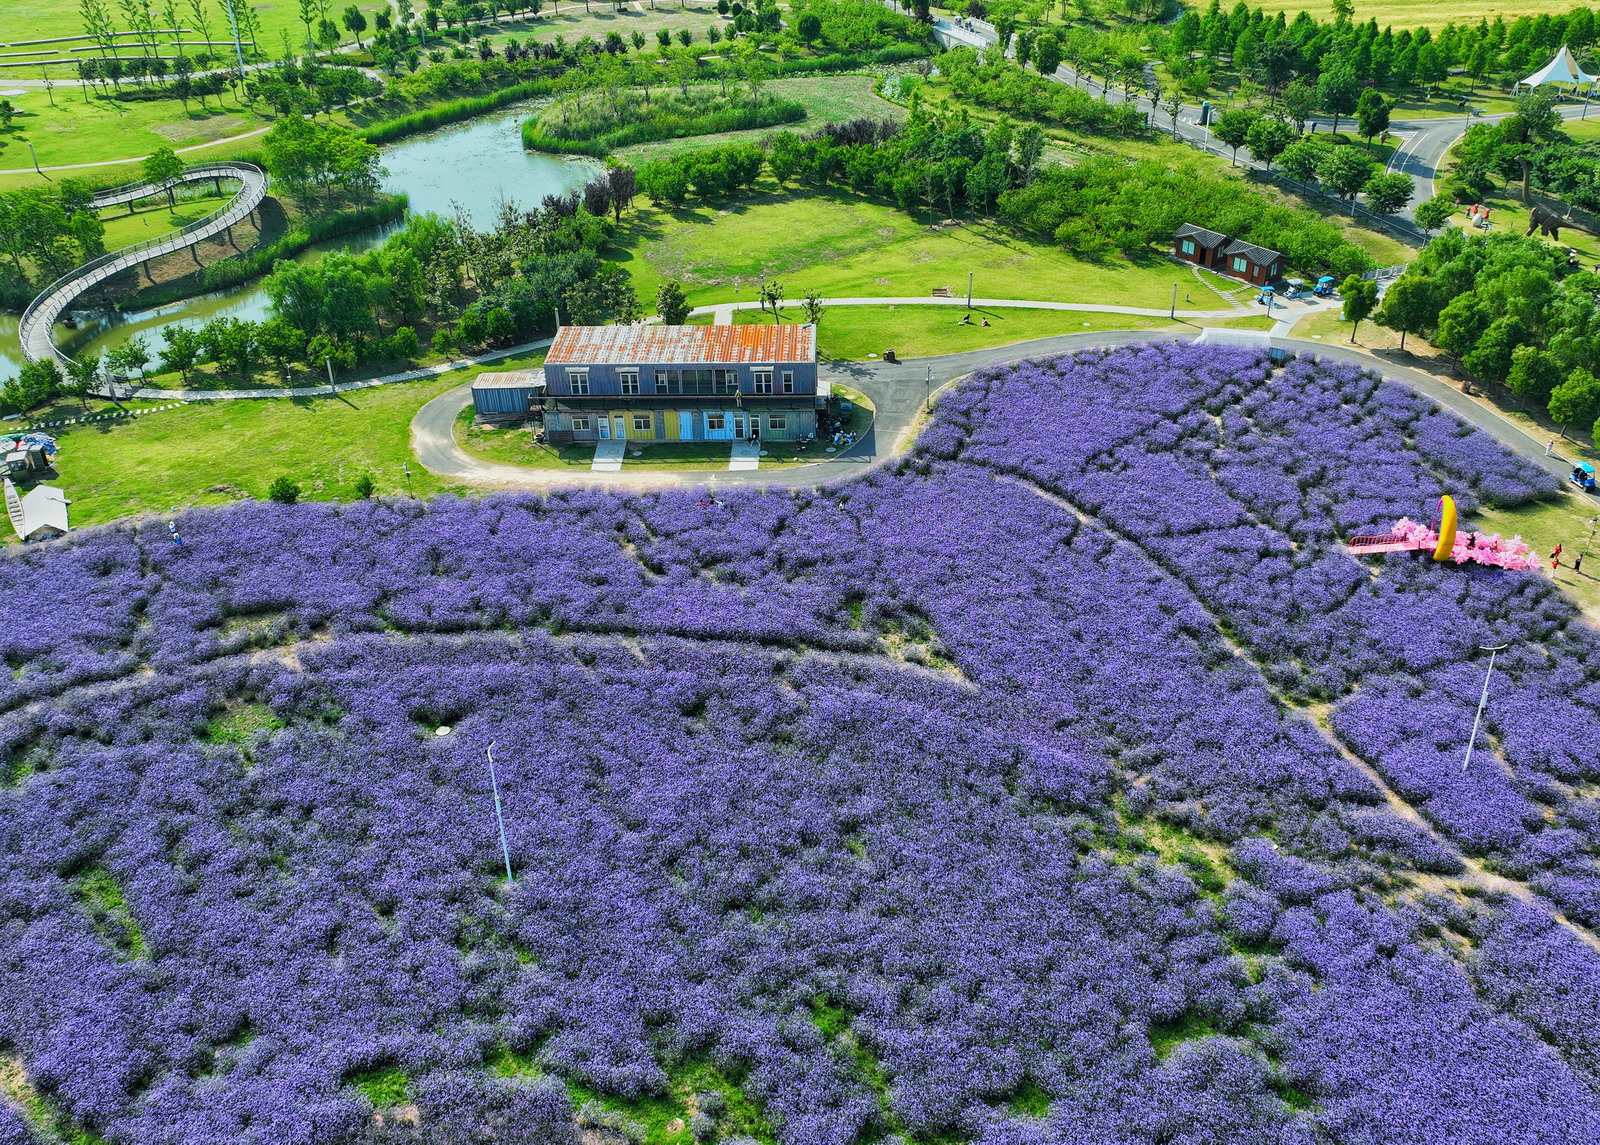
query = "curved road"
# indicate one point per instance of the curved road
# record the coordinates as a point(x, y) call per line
point(39, 320)
point(898, 390)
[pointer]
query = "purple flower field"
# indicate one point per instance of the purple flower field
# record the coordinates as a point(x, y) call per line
point(1065, 784)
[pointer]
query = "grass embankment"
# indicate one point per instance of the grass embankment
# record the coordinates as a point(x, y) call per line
point(592, 124)
point(155, 219)
point(209, 453)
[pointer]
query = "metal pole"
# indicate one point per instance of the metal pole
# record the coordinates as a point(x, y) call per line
point(1173, 313)
point(406, 465)
point(329, 360)
point(927, 389)
point(1483, 701)
point(494, 783)
point(969, 290)
point(233, 25)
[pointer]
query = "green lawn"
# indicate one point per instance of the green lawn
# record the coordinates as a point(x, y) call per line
point(209, 453)
point(845, 246)
point(75, 131)
point(1434, 14)
point(123, 229)
point(1565, 521)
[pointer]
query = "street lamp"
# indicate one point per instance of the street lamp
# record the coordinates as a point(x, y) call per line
point(1483, 700)
point(494, 784)
point(927, 390)
point(406, 465)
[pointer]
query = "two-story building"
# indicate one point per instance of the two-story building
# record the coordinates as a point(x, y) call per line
point(681, 383)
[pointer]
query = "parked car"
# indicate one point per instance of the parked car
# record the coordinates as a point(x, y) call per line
point(1582, 476)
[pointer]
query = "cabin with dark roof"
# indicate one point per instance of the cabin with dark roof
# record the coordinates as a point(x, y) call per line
point(1198, 245)
point(1233, 257)
point(681, 383)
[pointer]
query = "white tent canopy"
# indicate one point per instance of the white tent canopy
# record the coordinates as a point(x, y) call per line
point(1562, 69)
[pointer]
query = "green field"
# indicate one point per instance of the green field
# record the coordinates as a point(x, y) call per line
point(1419, 13)
point(846, 246)
point(1565, 521)
point(209, 453)
point(123, 229)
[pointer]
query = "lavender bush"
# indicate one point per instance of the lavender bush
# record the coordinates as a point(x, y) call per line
point(1067, 784)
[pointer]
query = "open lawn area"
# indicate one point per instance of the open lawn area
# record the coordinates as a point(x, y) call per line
point(75, 131)
point(1433, 14)
point(1565, 521)
point(846, 246)
point(209, 453)
point(573, 21)
point(123, 229)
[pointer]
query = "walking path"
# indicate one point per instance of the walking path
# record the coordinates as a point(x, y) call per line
point(608, 456)
point(745, 457)
point(39, 320)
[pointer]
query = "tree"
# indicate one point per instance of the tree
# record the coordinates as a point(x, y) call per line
point(1299, 101)
point(134, 354)
point(1386, 194)
point(1491, 359)
point(812, 305)
point(355, 22)
point(1360, 297)
point(1172, 104)
point(163, 166)
point(1534, 373)
point(1410, 305)
point(1047, 54)
point(1344, 170)
point(1372, 114)
point(180, 351)
point(1232, 128)
point(1336, 92)
point(809, 28)
point(1267, 139)
point(1435, 212)
point(671, 305)
point(1301, 159)
point(1030, 146)
point(35, 384)
point(365, 486)
point(284, 490)
point(772, 295)
point(82, 376)
point(1576, 401)
point(232, 343)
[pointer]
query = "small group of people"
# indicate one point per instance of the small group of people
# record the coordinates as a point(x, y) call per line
point(843, 438)
point(1478, 215)
point(1555, 560)
point(966, 320)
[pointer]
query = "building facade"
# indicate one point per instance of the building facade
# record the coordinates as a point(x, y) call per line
point(681, 383)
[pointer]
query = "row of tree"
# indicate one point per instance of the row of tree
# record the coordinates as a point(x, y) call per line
point(1511, 311)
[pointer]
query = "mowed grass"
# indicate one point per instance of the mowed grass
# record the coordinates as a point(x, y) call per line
point(1564, 521)
point(75, 131)
point(845, 246)
point(209, 453)
point(1433, 14)
point(123, 229)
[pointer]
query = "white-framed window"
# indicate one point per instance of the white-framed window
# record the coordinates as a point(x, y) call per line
point(762, 377)
point(716, 422)
point(580, 424)
point(579, 380)
point(1241, 264)
point(777, 421)
point(788, 381)
point(630, 381)
point(1188, 246)
point(643, 423)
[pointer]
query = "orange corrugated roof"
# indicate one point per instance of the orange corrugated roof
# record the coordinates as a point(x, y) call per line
point(711, 345)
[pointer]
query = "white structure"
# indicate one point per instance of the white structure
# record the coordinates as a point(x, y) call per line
point(1562, 69)
point(1244, 339)
point(41, 513)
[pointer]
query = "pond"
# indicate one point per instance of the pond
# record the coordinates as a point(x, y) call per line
point(474, 165)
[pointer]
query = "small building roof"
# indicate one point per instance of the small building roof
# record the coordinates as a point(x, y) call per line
point(510, 380)
point(710, 345)
point(1261, 255)
point(42, 510)
point(1200, 235)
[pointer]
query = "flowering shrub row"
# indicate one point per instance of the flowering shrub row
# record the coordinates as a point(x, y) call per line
point(860, 799)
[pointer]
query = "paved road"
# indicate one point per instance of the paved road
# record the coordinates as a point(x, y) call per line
point(898, 391)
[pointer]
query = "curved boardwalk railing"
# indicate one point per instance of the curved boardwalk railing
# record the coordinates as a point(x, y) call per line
point(44, 311)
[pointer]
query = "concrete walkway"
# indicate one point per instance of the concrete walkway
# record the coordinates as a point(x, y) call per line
point(608, 456)
point(728, 308)
point(746, 456)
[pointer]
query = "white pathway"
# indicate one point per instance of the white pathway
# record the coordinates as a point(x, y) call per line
point(608, 456)
point(746, 455)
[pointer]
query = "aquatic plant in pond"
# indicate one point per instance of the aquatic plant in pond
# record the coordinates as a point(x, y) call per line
point(852, 807)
